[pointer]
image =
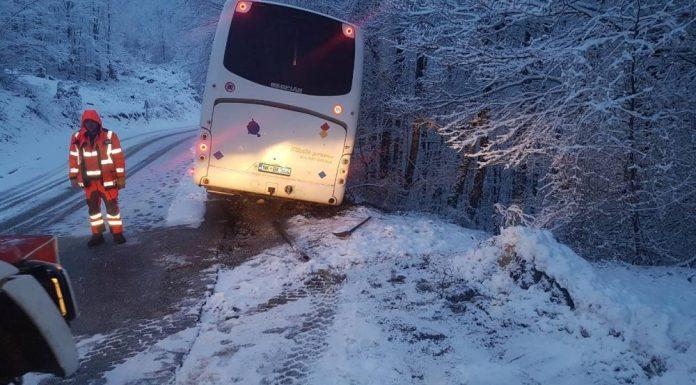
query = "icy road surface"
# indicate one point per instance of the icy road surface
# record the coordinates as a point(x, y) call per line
point(410, 299)
point(156, 167)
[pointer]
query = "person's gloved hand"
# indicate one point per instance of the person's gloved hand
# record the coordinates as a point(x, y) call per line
point(121, 182)
point(74, 184)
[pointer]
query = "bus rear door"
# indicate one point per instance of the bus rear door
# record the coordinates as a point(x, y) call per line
point(277, 150)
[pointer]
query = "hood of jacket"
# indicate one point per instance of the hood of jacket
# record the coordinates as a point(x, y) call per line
point(90, 115)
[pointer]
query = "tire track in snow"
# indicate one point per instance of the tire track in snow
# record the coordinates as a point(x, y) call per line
point(310, 336)
point(54, 210)
point(306, 338)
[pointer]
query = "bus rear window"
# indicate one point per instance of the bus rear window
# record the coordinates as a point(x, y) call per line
point(290, 49)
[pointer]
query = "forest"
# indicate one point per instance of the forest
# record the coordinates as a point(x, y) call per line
point(573, 116)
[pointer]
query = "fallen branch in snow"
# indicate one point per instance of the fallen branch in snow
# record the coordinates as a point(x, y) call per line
point(526, 276)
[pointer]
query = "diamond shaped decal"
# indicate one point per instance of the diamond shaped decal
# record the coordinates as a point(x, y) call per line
point(325, 126)
point(322, 175)
point(218, 155)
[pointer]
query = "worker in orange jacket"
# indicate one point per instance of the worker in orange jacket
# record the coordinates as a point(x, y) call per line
point(98, 165)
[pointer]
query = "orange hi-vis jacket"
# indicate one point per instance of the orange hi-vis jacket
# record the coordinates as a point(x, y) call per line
point(102, 161)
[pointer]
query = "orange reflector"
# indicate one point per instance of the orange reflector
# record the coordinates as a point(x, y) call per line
point(338, 109)
point(348, 30)
point(243, 6)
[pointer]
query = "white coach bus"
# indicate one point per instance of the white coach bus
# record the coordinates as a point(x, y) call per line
point(281, 103)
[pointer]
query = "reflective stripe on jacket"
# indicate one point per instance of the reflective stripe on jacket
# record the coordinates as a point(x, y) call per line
point(103, 159)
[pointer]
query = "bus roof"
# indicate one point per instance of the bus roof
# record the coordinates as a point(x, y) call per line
point(296, 7)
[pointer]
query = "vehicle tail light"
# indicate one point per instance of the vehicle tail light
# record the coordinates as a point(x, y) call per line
point(203, 147)
point(338, 109)
point(243, 6)
point(349, 31)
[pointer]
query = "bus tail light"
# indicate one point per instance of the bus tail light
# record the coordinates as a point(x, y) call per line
point(349, 31)
point(338, 109)
point(243, 6)
point(203, 147)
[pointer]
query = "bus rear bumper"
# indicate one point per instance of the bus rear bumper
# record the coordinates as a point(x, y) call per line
point(231, 182)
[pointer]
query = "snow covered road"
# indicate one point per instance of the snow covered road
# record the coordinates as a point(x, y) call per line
point(47, 202)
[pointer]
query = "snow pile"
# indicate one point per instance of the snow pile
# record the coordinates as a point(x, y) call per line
point(534, 281)
point(188, 206)
point(412, 299)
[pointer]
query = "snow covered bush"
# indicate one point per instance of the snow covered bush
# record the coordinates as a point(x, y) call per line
point(68, 99)
point(527, 280)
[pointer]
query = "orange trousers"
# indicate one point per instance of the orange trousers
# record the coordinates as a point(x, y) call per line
point(95, 193)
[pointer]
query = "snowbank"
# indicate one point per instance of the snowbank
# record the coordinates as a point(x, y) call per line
point(649, 319)
point(188, 206)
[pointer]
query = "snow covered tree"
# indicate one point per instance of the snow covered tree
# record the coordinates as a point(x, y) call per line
point(587, 105)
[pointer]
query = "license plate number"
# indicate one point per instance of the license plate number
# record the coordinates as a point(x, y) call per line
point(273, 169)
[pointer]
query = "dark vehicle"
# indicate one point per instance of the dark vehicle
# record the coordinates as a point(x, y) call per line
point(36, 305)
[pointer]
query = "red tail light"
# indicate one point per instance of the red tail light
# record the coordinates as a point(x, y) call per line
point(203, 147)
point(243, 6)
point(349, 31)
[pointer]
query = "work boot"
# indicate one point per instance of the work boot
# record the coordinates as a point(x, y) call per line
point(97, 239)
point(119, 239)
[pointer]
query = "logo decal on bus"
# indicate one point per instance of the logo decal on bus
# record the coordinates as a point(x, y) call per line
point(324, 130)
point(253, 128)
point(285, 87)
point(230, 87)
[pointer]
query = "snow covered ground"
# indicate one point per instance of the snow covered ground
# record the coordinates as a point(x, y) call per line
point(410, 299)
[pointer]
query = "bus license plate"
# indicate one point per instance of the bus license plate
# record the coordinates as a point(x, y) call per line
point(272, 169)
